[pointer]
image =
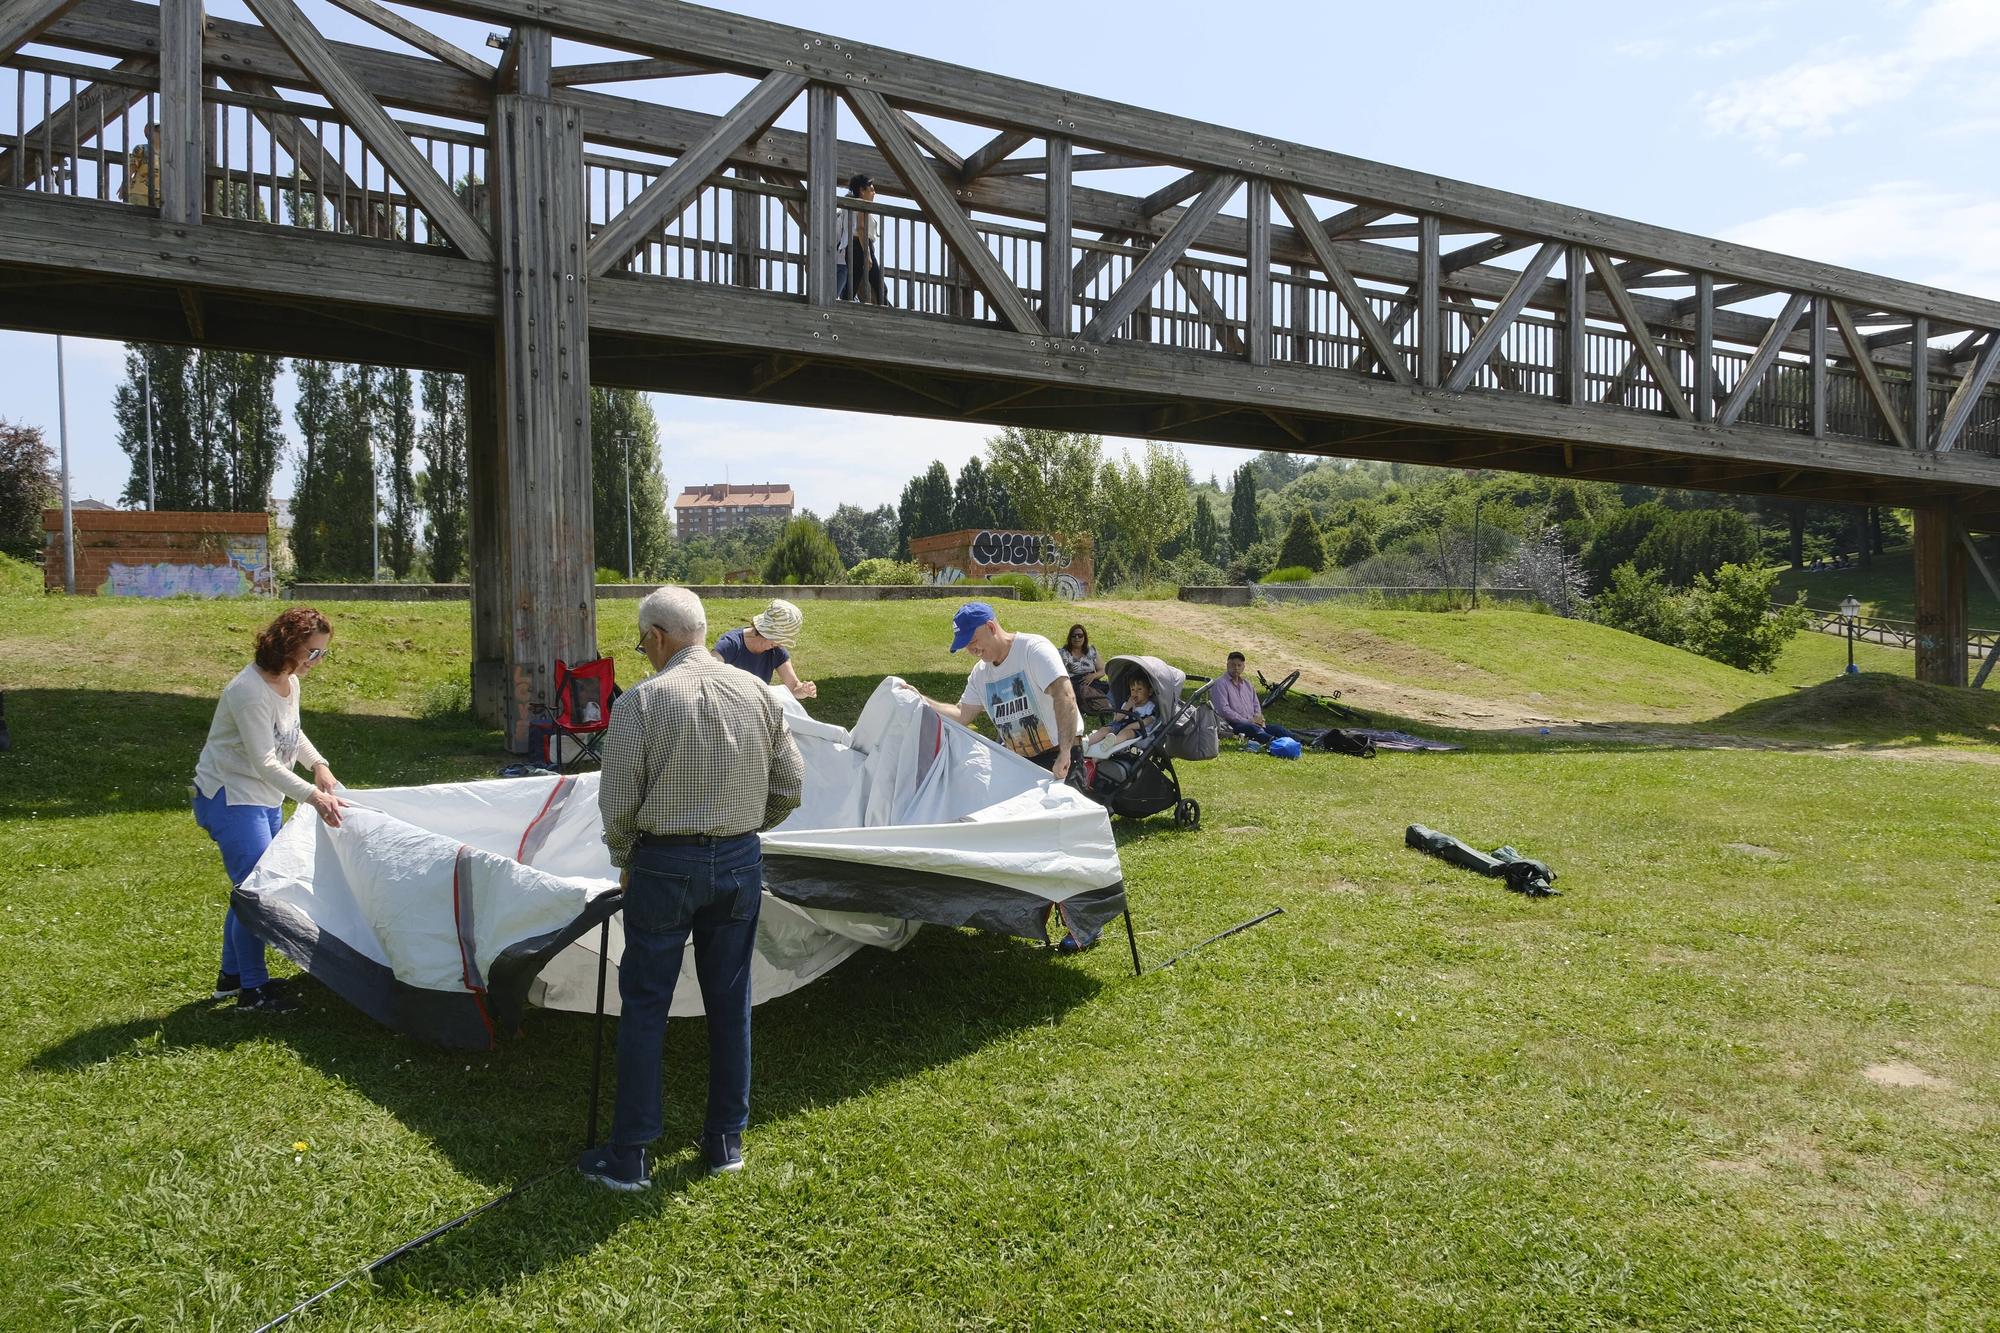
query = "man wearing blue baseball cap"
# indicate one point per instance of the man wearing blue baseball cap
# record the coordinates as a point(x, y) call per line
point(1019, 683)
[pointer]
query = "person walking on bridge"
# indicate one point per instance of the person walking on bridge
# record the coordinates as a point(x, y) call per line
point(697, 761)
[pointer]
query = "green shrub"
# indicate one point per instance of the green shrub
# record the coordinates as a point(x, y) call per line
point(19, 578)
point(1729, 618)
point(446, 701)
point(1303, 544)
point(880, 572)
point(1643, 604)
point(1289, 574)
point(610, 576)
point(1027, 587)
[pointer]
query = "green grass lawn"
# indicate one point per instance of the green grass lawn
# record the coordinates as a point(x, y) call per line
point(1886, 589)
point(1741, 1075)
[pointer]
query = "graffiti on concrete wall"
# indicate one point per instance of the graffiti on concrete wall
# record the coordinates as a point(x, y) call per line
point(993, 551)
point(247, 574)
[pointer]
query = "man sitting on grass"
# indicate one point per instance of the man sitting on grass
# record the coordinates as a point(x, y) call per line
point(1236, 703)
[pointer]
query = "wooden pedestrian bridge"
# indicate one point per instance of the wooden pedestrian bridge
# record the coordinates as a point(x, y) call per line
point(1051, 259)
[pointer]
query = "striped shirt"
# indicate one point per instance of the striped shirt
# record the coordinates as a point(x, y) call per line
point(697, 747)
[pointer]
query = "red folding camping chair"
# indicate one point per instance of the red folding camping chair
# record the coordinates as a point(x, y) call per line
point(584, 695)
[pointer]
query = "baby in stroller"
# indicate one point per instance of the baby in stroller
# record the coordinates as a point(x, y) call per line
point(1130, 722)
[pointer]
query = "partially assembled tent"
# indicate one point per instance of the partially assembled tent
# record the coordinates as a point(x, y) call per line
point(444, 911)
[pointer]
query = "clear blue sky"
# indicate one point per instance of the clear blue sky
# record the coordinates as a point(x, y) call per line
point(1857, 133)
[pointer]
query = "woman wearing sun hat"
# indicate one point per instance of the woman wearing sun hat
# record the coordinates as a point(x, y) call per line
point(764, 647)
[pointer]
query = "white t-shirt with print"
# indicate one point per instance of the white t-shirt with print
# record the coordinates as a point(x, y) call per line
point(1015, 694)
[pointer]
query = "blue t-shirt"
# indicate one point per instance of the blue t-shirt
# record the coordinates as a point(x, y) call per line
point(731, 649)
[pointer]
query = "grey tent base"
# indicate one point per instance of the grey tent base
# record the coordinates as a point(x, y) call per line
point(934, 899)
point(1522, 875)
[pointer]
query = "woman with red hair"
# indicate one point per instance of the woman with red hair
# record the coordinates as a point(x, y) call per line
point(244, 775)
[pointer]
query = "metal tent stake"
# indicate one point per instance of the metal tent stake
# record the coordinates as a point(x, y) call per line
point(1132, 939)
point(597, 1033)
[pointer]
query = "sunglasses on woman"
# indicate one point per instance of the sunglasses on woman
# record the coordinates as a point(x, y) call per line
point(314, 656)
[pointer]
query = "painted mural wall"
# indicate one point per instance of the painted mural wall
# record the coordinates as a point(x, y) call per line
point(977, 553)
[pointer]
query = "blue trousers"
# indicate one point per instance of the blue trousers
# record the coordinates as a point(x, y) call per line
point(241, 833)
point(1263, 735)
point(712, 891)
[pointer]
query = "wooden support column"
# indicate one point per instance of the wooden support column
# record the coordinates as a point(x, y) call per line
point(1257, 272)
point(541, 231)
point(745, 232)
point(1704, 347)
point(823, 242)
point(487, 481)
point(1058, 253)
point(183, 155)
point(1939, 557)
point(1920, 383)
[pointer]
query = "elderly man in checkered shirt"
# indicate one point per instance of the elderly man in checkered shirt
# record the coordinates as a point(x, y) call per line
point(697, 761)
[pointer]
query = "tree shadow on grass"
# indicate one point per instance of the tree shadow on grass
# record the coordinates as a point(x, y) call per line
point(117, 751)
point(505, 1117)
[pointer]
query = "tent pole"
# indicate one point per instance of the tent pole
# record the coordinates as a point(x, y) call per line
point(597, 1033)
point(1132, 939)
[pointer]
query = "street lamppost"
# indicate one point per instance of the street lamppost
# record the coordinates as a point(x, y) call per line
point(1475, 552)
point(625, 438)
point(1850, 608)
point(69, 518)
point(152, 503)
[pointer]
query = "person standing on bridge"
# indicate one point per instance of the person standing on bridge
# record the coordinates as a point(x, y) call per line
point(142, 170)
point(863, 229)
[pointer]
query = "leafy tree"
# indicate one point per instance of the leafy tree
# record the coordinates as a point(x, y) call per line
point(1730, 618)
point(617, 415)
point(313, 413)
point(1616, 539)
point(804, 555)
point(972, 498)
point(1349, 546)
point(1303, 547)
point(934, 502)
point(398, 430)
point(333, 507)
point(878, 572)
point(863, 534)
point(27, 486)
point(1052, 477)
point(1148, 501)
point(216, 429)
point(444, 483)
point(1207, 532)
point(1243, 509)
point(1692, 542)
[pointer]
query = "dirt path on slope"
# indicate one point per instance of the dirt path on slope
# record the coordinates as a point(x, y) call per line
point(1465, 713)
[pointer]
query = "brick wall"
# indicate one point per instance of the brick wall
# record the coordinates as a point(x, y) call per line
point(105, 537)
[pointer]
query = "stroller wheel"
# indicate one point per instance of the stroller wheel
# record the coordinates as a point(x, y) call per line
point(1188, 814)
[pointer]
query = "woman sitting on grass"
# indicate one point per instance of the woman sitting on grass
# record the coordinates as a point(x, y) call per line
point(244, 775)
point(1129, 723)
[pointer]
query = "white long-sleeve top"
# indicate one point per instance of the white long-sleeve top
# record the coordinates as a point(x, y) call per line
point(254, 742)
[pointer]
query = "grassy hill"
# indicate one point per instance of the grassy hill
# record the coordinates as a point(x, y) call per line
point(1741, 1075)
point(1886, 589)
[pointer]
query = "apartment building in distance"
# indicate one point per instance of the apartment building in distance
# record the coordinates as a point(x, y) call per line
point(710, 511)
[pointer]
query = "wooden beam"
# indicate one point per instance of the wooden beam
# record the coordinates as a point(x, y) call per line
point(1205, 305)
point(673, 188)
point(1487, 341)
point(943, 212)
point(422, 38)
point(1186, 187)
point(1762, 359)
point(1035, 166)
point(320, 168)
point(1257, 272)
point(1966, 396)
point(532, 49)
point(22, 21)
point(1642, 336)
point(1857, 347)
point(824, 244)
point(197, 324)
point(1704, 347)
point(1308, 226)
point(1350, 220)
point(1576, 330)
point(990, 154)
point(623, 71)
point(1920, 382)
point(1475, 320)
point(1430, 313)
point(1816, 355)
point(74, 122)
point(183, 154)
point(1058, 294)
point(1479, 252)
point(1161, 258)
point(935, 146)
point(297, 35)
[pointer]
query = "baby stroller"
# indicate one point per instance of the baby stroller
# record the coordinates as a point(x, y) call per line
point(1138, 779)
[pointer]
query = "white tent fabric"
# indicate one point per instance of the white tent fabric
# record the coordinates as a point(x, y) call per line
point(442, 909)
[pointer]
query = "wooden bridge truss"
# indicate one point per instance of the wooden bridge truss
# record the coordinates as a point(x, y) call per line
point(1088, 265)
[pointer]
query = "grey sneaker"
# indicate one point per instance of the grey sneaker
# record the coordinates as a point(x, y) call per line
point(226, 985)
point(624, 1169)
point(265, 999)
point(722, 1152)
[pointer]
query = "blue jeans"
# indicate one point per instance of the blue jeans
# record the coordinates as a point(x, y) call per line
point(241, 832)
point(1263, 735)
point(712, 891)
